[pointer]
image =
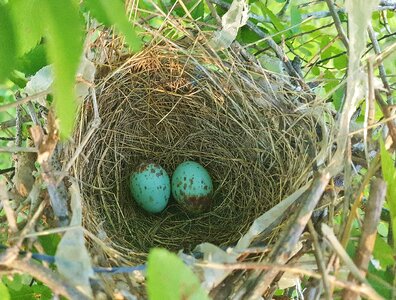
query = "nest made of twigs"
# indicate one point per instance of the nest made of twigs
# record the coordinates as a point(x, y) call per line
point(168, 104)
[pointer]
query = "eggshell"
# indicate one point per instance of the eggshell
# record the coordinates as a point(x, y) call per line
point(150, 187)
point(192, 186)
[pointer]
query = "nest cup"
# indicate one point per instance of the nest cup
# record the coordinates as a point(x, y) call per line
point(167, 105)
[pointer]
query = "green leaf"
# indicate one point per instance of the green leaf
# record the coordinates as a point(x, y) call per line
point(337, 97)
point(274, 19)
point(8, 47)
point(32, 61)
point(247, 36)
point(389, 174)
point(383, 253)
point(385, 276)
point(113, 13)
point(169, 278)
point(36, 291)
point(28, 28)
point(340, 62)
point(50, 243)
point(64, 50)
point(296, 18)
point(4, 293)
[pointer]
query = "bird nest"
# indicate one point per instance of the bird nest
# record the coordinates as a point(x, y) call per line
point(168, 104)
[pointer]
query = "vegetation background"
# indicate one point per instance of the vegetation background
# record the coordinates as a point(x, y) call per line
point(312, 35)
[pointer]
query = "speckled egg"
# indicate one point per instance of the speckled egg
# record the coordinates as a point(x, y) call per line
point(192, 186)
point(150, 187)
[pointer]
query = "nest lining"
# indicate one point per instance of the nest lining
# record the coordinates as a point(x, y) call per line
point(165, 106)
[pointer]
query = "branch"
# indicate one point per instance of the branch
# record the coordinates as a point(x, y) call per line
point(4, 171)
point(337, 23)
point(287, 242)
point(320, 261)
point(274, 46)
point(48, 277)
point(332, 240)
point(386, 111)
point(47, 149)
point(6, 107)
point(369, 230)
point(18, 149)
point(381, 68)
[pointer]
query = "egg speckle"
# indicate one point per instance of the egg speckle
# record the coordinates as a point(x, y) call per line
point(150, 187)
point(192, 186)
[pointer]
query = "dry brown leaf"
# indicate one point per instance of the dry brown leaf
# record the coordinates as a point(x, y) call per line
point(24, 168)
point(46, 143)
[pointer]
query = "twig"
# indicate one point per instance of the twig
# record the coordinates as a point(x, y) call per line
point(320, 259)
point(364, 290)
point(309, 15)
point(48, 277)
point(387, 114)
point(388, 3)
point(287, 242)
point(379, 58)
point(6, 107)
point(277, 49)
point(337, 23)
point(374, 166)
point(29, 226)
point(12, 122)
point(332, 240)
point(9, 212)
point(284, 8)
point(47, 148)
point(369, 116)
point(381, 68)
point(18, 125)
point(213, 12)
point(17, 149)
point(4, 171)
point(369, 230)
point(32, 114)
point(107, 270)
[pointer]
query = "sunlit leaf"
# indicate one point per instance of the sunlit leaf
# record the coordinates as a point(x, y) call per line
point(113, 13)
point(4, 293)
point(27, 21)
point(64, 50)
point(340, 62)
point(296, 19)
point(383, 253)
point(389, 174)
point(37, 291)
point(169, 278)
point(274, 19)
point(8, 47)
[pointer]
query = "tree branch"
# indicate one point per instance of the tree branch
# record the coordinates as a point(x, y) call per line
point(337, 23)
point(369, 231)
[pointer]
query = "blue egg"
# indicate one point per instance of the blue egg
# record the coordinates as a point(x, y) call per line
point(192, 186)
point(150, 187)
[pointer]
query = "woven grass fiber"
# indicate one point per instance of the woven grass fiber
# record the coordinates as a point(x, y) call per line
point(168, 104)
